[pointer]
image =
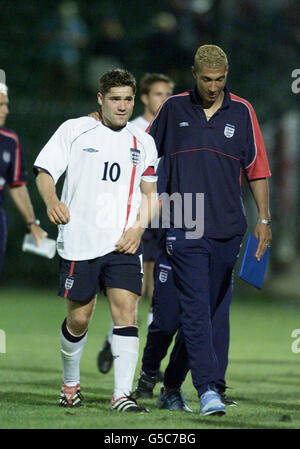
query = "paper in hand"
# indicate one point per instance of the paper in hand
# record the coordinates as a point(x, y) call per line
point(47, 246)
point(251, 270)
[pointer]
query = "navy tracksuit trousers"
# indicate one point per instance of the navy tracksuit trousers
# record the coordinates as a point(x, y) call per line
point(195, 298)
point(3, 235)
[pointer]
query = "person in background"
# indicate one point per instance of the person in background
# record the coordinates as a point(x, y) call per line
point(13, 175)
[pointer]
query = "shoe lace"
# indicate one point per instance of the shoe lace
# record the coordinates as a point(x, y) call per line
point(70, 396)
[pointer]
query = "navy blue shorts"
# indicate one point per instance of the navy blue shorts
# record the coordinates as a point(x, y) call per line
point(150, 241)
point(81, 280)
point(3, 235)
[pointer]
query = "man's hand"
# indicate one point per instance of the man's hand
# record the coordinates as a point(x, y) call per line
point(130, 241)
point(97, 115)
point(58, 212)
point(37, 233)
point(264, 235)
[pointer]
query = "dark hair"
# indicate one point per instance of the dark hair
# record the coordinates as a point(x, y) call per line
point(116, 78)
point(150, 78)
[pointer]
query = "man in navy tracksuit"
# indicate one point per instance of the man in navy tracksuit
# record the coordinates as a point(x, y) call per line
point(13, 175)
point(208, 137)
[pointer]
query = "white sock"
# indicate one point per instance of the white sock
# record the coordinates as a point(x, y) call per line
point(150, 318)
point(110, 332)
point(71, 350)
point(125, 350)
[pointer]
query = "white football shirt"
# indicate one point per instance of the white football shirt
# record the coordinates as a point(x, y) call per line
point(104, 169)
point(140, 122)
point(143, 124)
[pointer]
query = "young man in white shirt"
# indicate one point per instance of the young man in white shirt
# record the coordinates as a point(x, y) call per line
point(154, 89)
point(108, 199)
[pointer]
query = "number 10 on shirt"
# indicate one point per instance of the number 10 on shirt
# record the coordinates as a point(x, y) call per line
point(112, 171)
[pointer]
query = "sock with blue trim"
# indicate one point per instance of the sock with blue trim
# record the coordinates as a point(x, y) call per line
point(71, 348)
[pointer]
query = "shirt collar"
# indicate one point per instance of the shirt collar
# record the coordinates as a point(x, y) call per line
point(196, 99)
point(114, 130)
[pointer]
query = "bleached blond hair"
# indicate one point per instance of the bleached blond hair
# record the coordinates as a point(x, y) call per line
point(211, 56)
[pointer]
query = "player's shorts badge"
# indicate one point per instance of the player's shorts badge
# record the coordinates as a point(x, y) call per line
point(135, 156)
point(229, 130)
point(69, 283)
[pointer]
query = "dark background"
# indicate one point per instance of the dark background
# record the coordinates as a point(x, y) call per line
point(53, 65)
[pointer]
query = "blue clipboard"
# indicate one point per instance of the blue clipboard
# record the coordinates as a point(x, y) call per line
point(251, 270)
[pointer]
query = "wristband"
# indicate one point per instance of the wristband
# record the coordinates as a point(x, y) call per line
point(264, 221)
point(36, 222)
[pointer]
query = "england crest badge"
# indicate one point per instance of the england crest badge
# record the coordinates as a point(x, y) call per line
point(163, 276)
point(69, 283)
point(229, 130)
point(135, 156)
point(163, 273)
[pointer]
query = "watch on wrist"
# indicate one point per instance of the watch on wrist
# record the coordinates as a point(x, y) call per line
point(265, 221)
point(36, 222)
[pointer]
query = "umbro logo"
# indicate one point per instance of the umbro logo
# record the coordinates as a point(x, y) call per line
point(6, 156)
point(182, 124)
point(90, 150)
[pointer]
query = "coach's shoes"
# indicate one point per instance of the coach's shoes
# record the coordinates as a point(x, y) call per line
point(224, 398)
point(211, 404)
point(105, 358)
point(145, 386)
point(127, 404)
point(172, 399)
point(70, 396)
point(227, 401)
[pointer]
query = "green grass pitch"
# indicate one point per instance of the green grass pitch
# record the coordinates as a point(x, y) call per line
point(264, 372)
